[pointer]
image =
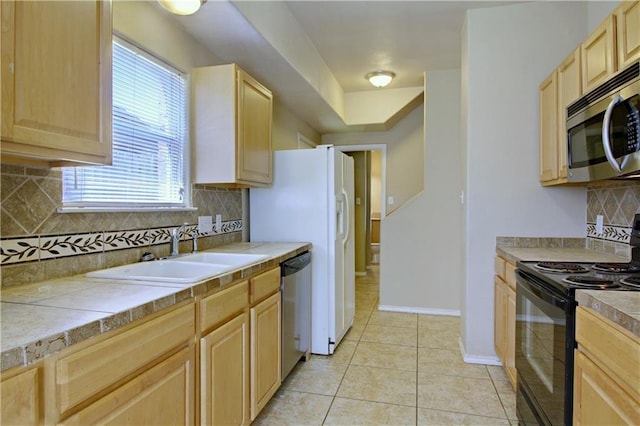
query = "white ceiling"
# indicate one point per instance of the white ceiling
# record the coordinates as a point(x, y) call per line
point(352, 37)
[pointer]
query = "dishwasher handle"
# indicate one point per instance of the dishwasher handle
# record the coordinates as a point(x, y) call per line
point(296, 264)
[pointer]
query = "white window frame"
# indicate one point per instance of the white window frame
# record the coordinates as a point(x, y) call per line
point(186, 205)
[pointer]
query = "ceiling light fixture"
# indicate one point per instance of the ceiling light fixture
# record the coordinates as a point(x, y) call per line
point(380, 78)
point(182, 7)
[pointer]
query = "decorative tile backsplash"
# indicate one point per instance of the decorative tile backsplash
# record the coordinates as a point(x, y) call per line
point(38, 243)
point(618, 203)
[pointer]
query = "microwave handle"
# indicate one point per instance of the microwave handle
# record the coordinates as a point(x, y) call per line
point(606, 141)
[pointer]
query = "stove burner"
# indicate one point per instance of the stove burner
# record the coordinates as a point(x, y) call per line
point(632, 282)
point(589, 282)
point(561, 267)
point(616, 267)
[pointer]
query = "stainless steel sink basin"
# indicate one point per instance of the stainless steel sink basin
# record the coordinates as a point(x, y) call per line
point(230, 259)
point(163, 271)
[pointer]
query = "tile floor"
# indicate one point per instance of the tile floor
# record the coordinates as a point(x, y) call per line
point(393, 369)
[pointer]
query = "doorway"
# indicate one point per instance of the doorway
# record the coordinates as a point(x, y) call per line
point(369, 165)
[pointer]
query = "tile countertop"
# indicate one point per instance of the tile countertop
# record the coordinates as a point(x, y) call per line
point(541, 254)
point(42, 318)
point(622, 307)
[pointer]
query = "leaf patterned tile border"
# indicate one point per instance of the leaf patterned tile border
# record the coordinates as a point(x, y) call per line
point(19, 250)
point(618, 234)
point(34, 248)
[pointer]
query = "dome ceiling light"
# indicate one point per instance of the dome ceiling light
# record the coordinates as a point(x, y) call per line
point(182, 7)
point(380, 78)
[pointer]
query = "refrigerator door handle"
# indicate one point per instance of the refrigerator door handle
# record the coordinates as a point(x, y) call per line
point(345, 217)
point(339, 216)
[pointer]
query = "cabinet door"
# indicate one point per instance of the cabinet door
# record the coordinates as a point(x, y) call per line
point(569, 89)
point(628, 32)
point(254, 160)
point(499, 319)
point(510, 319)
point(548, 129)
point(598, 400)
point(224, 374)
point(266, 327)
point(56, 81)
point(165, 394)
point(598, 55)
point(21, 398)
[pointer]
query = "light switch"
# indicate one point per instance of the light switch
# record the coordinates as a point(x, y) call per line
point(390, 200)
point(357, 201)
point(205, 224)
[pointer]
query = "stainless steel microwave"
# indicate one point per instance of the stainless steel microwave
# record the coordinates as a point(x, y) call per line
point(603, 130)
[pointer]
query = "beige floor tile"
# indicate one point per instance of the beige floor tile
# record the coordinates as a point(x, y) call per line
point(379, 385)
point(390, 335)
point(459, 394)
point(446, 338)
point(508, 398)
point(354, 412)
point(294, 408)
point(445, 418)
point(497, 373)
point(394, 319)
point(438, 322)
point(355, 333)
point(318, 375)
point(450, 362)
point(385, 356)
point(343, 353)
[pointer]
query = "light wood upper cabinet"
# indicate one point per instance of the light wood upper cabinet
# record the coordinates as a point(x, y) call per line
point(628, 32)
point(569, 89)
point(231, 127)
point(56, 82)
point(21, 400)
point(548, 105)
point(606, 373)
point(598, 53)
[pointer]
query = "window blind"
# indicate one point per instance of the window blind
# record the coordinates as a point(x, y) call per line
point(149, 139)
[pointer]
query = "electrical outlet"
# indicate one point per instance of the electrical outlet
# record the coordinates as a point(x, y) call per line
point(205, 224)
point(599, 224)
point(218, 222)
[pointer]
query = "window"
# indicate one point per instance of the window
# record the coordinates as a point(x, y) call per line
point(149, 140)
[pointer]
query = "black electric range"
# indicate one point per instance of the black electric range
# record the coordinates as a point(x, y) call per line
point(545, 328)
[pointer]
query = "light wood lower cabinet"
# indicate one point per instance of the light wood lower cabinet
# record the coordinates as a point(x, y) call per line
point(224, 374)
point(606, 372)
point(21, 397)
point(165, 394)
point(266, 319)
point(504, 324)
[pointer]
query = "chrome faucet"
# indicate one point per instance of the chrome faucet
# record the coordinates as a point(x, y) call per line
point(175, 239)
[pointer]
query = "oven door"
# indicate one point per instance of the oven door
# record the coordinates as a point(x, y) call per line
point(543, 360)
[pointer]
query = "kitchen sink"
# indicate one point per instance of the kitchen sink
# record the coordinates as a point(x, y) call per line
point(163, 271)
point(230, 259)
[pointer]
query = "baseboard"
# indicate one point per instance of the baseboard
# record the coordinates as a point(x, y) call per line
point(425, 311)
point(474, 359)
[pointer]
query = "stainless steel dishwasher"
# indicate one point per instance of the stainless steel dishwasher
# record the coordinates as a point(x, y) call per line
point(296, 311)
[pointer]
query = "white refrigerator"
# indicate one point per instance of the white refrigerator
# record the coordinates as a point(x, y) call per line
point(311, 200)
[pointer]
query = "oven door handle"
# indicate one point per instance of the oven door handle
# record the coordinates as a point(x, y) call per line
point(529, 285)
point(606, 140)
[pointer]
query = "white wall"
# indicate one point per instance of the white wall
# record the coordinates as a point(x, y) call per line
point(420, 251)
point(286, 126)
point(404, 160)
point(510, 50)
point(597, 11)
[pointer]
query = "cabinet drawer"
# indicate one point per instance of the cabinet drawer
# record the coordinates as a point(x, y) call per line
point(85, 373)
point(499, 266)
point(264, 284)
point(510, 275)
point(614, 349)
point(223, 305)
